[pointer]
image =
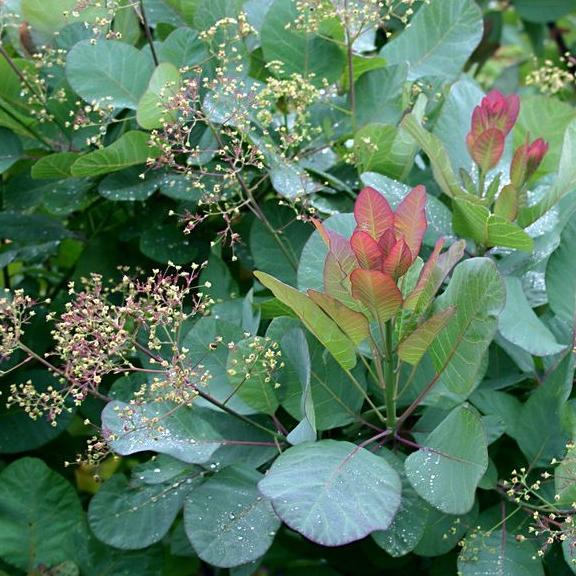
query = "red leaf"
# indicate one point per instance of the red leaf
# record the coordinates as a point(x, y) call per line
point(366, 249)
point(399, 260)
point(410, 219)
point(373, 213)
point(377, 291)
point(387, 241)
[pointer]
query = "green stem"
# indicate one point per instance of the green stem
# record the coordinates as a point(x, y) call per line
point(365, 394)
point(481, 182)
point(351, 87)
point(389, 379)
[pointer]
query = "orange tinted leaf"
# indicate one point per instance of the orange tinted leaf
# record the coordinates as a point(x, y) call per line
point(377, 291)
point(353, 324)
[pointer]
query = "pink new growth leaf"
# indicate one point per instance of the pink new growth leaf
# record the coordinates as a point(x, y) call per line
point(366, 249)
point(399, 260)
point(410, 219)
point(373, 213)
point(492, 121)
point(526, 160)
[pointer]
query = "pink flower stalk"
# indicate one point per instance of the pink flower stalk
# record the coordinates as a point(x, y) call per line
point(526, 160)
point(492, 121)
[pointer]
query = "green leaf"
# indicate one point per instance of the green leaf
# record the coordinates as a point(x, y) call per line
point(439, 41)
point(108, 72)
point(454, 122)
point(475, 221)
point(183, 48)
point(249, 378)
point(130, 149)
point(152, 107)
point(443, 531)
point(564, 183)
point(353, 324)
point(498, 553)
point(199, 341)
point(447, 470)
point(385, 149)
point(561, 274)
point(10, 149)
point(31, 228)
point(312, 316)
point(564, 485)
point(545, 117)
point(379, 95)
point(415, 345)
point(169, 12)
point(227, 522)
point(49, 16)
point(519, 324)
point(432, 146)
point(278, 254)
point(409, 523)
point(165, 242)
point(40, 515)
point(131, 516)
point(531, 10)
point(289, 179)
point(127, 186)
point(57, 165)
point(184, 433)
point(161, 469)
point(18, 432)
point(335, 397)
point(477, 293)
point(332, 492)
point(296, 351)
point(97, 559)
point(300, 52)
point(539, 430)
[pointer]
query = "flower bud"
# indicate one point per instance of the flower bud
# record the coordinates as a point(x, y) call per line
point(526, 160)
point(492, 121)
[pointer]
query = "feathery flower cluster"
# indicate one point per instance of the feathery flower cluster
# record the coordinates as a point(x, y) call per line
point(15, 311)
point(100, 332)
point(550, 79)
point(256, 357)
point(355, 15)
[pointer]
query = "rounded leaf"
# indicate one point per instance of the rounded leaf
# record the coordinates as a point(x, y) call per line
point(332, 492)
